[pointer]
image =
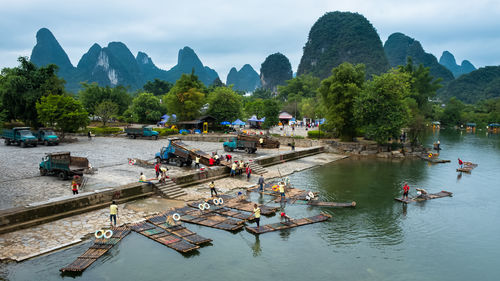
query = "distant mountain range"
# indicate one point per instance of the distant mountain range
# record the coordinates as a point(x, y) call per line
point(448, 61)
point(246, 79)
point(114, 65)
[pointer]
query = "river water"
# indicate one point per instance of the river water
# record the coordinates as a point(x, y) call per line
point(452, 238)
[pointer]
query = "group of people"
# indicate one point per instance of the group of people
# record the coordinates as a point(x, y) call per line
point(237, 168)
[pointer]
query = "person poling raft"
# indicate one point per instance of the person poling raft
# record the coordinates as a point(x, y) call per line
point(465, 166)
point(423, 195)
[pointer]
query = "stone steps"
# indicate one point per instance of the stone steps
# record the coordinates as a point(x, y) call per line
point(257, 169)
point(170, 190)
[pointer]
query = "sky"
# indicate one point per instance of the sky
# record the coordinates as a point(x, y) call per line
point(227, 34)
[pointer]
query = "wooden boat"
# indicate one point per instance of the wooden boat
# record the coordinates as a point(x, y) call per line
point(429, 197)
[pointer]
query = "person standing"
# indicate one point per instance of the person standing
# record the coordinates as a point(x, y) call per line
point(248, 171)
point(261, 141)
point(261, 183)
point(113, 213)
point(406, 189)
point(256, 214)
point(242, 165)
point(212, 189)
point(74, 187)
point(217, 160)
point(211, 162)
point(157, 169)
point(461, 163)
point(89, 135)
point(233, 169)
point(197, 162)
point(282, 190)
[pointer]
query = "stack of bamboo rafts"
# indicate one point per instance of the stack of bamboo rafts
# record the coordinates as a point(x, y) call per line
point(468, 167)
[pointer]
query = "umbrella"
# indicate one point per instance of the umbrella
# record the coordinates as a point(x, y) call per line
point(225, 123)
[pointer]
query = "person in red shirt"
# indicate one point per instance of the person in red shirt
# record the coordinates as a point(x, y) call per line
point(157, 169)
point(211, 162)
point(461, 163)
point(406, 189)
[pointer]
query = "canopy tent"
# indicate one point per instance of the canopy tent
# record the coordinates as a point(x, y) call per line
point(285, 116)
point(167, 117)
point(494, 125)
point(238, 122)
point(254, 119)
point(263, 119)
point(225, 123)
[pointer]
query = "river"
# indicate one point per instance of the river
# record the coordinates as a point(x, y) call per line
point(452, 238)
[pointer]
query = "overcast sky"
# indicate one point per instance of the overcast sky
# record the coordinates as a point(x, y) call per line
point(232, 33)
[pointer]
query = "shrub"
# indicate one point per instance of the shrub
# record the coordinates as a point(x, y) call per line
point(298, 137)
point(166, 131)
point(105, 130)
point(318, 134)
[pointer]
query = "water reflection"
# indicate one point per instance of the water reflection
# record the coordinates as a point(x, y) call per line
point(257, 250)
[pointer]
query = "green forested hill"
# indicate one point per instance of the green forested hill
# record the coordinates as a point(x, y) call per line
point(339, 37)
point(399, 47)
point(274, 71)
point(480, 84)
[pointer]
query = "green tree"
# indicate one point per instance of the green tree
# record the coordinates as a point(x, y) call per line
point(106, 110)
point(157, 87)
point(93, 94)
point(23, 86)
point(338, 93)
point(271, 112)
point(255, 107)
point(304, 86)
point(62, 112)
point(381, 107)
point(146, 108)
point(452, 114)
point(186, 98)
point(262, 93)
point(224, 104)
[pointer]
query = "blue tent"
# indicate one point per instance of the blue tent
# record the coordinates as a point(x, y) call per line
point(238, 122)
point(262, 120)
point(225, 123)
point(254, 119)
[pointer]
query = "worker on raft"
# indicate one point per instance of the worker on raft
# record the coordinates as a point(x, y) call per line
point(281, 186)
point(197, 162)
point(233, 169)
point(285, 217)
point(212, 189)
point(256, 214)
point(422, 193)
point(461, 163)
point(261, 142)
point(406, 189)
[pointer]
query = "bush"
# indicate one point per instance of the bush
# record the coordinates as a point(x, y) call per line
point(298, 137)
point(166, 131)
point(105, 130)
point(184, 133)
point(316, 134)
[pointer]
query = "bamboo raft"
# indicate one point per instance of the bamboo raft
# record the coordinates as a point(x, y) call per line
point(207, 218)
point(286, 225)
point(178, 230)
point(99, 248)
point(300, 198)
point(434, 160)
point(429, 197)
point(468, 167)
point(161, 236)
point(246, 206)
point(221, 210)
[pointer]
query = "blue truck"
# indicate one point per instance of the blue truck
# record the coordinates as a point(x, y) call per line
point(19, 136)
point(174, 153)
point(46, 136)
point(143, 131)
point(63, 165)
point(250, 146)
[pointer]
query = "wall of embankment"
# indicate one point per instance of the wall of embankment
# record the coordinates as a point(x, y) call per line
point(43, 212)
point(284, 141)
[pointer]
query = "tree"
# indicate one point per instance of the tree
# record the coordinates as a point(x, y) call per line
point(93, 94)
point(255, 107)
point(262, 93)
point(452, 114)
point(23, 86)
point(338, 93)
point(224, 104)
point(62, 112)
point(146, 108)
point(105, 110)
point(186, 98)
point(304, 86)
point(381, 107)
point(271, 112)
point(157, 87)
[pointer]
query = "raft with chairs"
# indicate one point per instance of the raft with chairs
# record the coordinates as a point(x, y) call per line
point(161, 236)
point(310, 198)
point(105, 240)
point(288, 224)
point(429, 196)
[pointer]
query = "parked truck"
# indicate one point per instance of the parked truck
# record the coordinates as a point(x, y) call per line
point(20, 136)
point(174, 154)
point(46, 136)
point(267, 141)
point(63, 165)
point(144, 131)
point(250, 146)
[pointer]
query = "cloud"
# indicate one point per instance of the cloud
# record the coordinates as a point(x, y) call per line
point(233, 33)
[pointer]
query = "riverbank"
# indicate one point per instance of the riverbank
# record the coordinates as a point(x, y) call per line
point(27, 243)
